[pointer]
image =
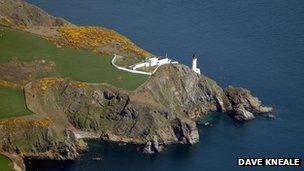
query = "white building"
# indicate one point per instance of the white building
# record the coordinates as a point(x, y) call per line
point(139, 65)
point(153, 61)
point(194, 65)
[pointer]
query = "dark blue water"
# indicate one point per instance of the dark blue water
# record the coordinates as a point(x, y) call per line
point(255, 44)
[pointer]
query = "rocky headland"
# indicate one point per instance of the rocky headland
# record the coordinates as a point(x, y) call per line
point(162, 111)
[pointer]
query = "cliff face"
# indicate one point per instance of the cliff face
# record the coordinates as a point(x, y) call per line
point(185, 92)
point(244, 105)
point(113, 114)
point(162, 111)
point(38, 138)
point(191, 95)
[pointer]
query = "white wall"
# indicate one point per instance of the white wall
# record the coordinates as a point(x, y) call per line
point(145, 64)
point(163, 61)
point(129, 70)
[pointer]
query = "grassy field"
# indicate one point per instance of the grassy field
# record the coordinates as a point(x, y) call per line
point(127, 61)
point(12, 103)
point(5, 164)
point(77, 64)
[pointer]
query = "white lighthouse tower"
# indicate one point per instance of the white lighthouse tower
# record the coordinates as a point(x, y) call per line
point(194, 65)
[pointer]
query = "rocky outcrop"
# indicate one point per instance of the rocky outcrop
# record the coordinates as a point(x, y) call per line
point(192, 95)
point(38, 138)
point(162, 111)
point(153, 146)
point(21, 13)
point(183, 91)
point(115, 114)
point(244, 105)
point(185, 131)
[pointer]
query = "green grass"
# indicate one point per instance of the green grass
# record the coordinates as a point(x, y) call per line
point(5, 164)
point(127, 61)
point(12, 103)
point(79, 65)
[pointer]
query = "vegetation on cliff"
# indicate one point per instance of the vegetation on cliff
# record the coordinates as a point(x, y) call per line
point(45, 135)
point(39, 137)
point(24, 16)
point(39, 58)
point(26, 57)
point(99, 39)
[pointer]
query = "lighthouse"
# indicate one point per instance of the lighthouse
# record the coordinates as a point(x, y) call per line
point(194, 65)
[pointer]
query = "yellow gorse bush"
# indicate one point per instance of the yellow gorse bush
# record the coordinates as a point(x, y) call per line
point(12, 124)
point(5, 21)
point(46, 82)
point(94, 37)
point(79, 84)
point(4, 83)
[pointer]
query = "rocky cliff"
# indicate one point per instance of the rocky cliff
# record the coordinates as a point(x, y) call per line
point(113, 114)
point(244, 105)
point(39, 138)
point(162, 111)
point(21, 13)
point(183, 91)
point(192, 95)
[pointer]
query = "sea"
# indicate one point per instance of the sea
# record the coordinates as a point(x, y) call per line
point(257, 44)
